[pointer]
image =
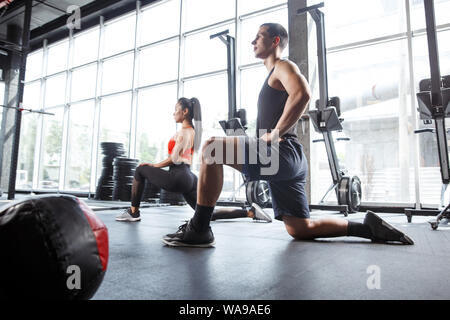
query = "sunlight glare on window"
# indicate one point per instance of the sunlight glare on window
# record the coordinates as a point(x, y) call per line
point(160, 21)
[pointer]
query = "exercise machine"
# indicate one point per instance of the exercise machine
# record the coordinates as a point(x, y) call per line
point(256, 191)
point(434, 105)
point(326, 119)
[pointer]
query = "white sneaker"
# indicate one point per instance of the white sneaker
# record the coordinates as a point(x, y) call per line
point(260, 214)
point(126, 215)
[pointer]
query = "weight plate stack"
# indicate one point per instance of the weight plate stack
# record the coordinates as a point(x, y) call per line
point(105, 185)
point(123, 175)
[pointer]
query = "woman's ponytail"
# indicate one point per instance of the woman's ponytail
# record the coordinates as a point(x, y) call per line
point(197, 122)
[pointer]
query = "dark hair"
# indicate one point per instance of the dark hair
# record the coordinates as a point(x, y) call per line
point(277, 30)
point(194, 117)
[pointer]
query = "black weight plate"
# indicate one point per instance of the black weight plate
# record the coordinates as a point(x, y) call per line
point(258, 192)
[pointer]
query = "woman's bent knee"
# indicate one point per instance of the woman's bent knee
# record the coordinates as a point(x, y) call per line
point(138, 174)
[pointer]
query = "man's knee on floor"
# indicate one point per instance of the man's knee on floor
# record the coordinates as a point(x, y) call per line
point(301, 235)
point(299, 229)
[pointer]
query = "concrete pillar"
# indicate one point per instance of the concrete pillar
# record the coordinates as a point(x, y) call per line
point(15, 78)
point(298, 53)
point(11, 77)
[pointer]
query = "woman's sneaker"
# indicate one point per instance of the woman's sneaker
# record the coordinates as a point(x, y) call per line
point(187, 236)
point(383, 231)
point(127, 216)
point(260, 214)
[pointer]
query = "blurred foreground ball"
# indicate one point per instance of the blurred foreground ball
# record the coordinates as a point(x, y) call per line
point(51, 247)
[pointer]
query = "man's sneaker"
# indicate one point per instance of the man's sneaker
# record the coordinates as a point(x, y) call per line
point(186, 236)
point(126, 215)
point(170, 236)
point(260, 214)
point(383, 231)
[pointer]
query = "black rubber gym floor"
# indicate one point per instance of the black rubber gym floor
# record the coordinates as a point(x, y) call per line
point(261, 261)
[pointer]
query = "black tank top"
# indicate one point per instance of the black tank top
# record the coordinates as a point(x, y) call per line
point(271, 103)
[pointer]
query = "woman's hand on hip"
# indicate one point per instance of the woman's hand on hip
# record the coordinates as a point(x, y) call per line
point(146, 164)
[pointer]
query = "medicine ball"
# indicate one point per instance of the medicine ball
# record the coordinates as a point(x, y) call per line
point(51, 247)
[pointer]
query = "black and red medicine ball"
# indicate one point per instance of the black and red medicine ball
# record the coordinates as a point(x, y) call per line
point(51, 247)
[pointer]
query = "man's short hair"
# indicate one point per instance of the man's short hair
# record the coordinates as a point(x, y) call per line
point(277, 30)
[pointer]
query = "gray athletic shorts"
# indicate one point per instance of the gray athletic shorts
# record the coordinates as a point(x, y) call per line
point(284, 167)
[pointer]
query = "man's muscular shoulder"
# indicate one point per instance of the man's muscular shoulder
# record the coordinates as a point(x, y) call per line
point(283, 69)
point(286, 66)
point(288, 75)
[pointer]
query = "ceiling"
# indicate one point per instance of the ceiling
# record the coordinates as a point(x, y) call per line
point(49, 18)
point(43, 12)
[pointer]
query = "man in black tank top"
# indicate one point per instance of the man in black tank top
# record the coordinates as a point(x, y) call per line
point(274, 155)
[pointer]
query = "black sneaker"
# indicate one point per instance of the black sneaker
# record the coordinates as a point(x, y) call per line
point(383, 231)
point(181, 229)
point(186, 236)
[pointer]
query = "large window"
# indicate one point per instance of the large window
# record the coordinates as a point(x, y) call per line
point(247, 7)
point(84, 82)
point(203, 54)
point(369, 69)
point(55, 90)
point(214, 108)
point(160, 21)
point(57, 57)
point(376, 151)
point(50, 161)
point(119, 35)
point(441, 8)
point(217, 11)
point(117, 74)
point(158, 63)
point(120, 81)
point(78, 165)
point(155, 122)
point(348, 21)
point(31, 96)
point(115, 118)
point(27, 148)
point(34, 65)
point(430, 175)
point(81, 43)
point(118, 87)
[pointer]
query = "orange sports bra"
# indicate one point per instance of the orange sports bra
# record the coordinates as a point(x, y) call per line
point(187, 154)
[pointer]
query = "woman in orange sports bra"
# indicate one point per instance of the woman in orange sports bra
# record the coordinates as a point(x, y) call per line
point(179, 178)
